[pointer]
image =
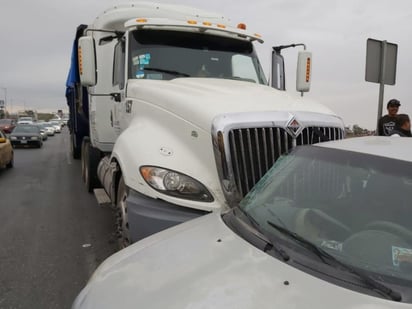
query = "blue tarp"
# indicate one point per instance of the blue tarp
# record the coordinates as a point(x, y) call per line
point(73, 76)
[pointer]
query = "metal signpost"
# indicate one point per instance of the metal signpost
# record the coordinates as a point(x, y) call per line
point(381, 58)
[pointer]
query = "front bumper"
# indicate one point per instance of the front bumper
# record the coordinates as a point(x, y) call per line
point(25, 142)
point(148, 216)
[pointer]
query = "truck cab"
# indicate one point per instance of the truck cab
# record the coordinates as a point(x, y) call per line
point(172, 114)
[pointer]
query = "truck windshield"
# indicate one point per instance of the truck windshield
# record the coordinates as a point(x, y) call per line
point(165, 55)
point(354, 206)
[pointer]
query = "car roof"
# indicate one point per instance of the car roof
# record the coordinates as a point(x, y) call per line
point(394, 147)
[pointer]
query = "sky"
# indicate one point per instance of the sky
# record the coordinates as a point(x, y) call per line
point(37, 38)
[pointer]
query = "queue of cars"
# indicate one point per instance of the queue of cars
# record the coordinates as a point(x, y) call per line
point(26, 133)
point(328, 226)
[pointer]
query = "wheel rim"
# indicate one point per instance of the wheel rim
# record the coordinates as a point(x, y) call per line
point(124, 223)
point(86, 174)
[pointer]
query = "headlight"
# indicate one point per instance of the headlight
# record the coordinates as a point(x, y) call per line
point(34, 137)
point(13, 138)
point(175, 184)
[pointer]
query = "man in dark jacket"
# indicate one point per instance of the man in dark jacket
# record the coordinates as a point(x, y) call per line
point(387, 123)
point(402, 126)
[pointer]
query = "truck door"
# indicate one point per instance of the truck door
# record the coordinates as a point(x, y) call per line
point(118, 85)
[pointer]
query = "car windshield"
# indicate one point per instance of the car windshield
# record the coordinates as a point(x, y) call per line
point(164, 55)
point(5, 121)
point(26, 129)
point(25, 119)
point(355, 206)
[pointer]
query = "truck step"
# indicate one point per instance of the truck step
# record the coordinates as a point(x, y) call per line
point(102, 198)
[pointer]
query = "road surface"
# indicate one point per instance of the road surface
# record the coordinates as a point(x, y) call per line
point(53, 234)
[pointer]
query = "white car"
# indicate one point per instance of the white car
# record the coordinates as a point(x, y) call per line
point(49, 129)
point(57, 126)
point(329, 226)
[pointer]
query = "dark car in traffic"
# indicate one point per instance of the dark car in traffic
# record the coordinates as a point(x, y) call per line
point(26, 135)
point(7, 125)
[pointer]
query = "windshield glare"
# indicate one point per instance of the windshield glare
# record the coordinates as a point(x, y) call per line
point(165, 55)
point(26, 129)
point(355, 206)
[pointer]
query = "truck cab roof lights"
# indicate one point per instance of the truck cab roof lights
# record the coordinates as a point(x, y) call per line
point(202, 27)
point(241, 26)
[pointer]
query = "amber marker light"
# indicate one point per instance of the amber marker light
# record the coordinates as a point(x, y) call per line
point(80, 58)
point(241, 26)
point(141, 20)
point(307, 70)
point(146, 172)
point(257, 35)
point(192, 22)
point(206, 23)
point(221, 26)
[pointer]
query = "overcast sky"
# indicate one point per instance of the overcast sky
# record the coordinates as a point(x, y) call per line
point(36, 40)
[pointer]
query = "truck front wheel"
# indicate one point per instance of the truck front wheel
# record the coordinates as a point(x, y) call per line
point(121, 217)
point(90, 161)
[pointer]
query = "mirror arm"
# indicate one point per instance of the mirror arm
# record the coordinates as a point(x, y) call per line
point(277, 49)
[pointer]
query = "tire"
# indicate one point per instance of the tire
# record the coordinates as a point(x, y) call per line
point(90, 160)
point(84, 155)
point(11, 163)
point(122, 222)
point(74, 149)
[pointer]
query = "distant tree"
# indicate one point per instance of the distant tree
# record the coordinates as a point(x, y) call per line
point(357, 130)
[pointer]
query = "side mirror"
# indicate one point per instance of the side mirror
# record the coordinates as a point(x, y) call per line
point(2, 140)
point(303, 72)
point(87, 61)
point(278, 71)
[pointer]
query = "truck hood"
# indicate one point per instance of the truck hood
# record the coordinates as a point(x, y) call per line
point(200, 100)
point(204, 264)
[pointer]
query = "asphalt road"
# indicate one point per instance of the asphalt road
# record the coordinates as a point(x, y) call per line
point(53, 234)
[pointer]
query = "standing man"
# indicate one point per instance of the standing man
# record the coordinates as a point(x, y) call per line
point(387, 123)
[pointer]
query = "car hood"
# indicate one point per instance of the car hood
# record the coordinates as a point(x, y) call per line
point(203, 264)
point(200, 100)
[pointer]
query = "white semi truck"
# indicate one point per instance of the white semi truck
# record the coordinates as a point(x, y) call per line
point(171, 113)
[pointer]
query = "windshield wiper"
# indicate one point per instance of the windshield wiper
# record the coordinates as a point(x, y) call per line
point(324, 256)
point(255, 229)
point(167, 71)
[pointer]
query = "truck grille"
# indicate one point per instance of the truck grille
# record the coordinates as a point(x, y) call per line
point(253, 151)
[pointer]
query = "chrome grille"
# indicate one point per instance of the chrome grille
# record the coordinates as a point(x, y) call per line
point(254, 150)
